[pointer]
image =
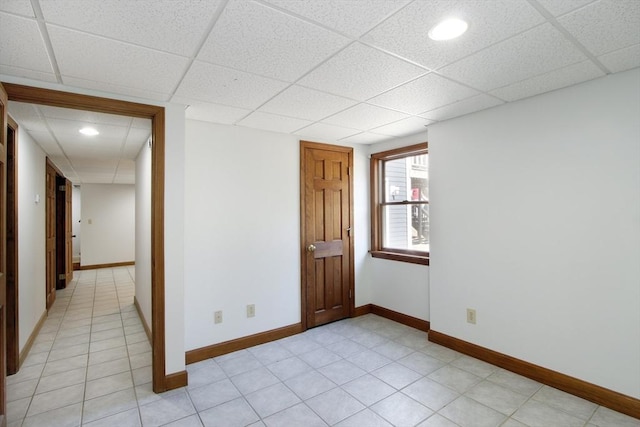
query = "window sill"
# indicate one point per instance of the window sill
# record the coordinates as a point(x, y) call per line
point(396, 256)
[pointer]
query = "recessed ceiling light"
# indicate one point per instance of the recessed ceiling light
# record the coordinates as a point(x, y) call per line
point(448, 29)
point(89, 131)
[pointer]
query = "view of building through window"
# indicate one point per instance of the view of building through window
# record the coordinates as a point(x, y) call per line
point(405, 206)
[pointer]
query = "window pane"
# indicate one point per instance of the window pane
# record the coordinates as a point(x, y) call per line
point(406, 179)
point(405, 227)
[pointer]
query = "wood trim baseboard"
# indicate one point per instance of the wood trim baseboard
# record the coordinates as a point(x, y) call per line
point(34, 334)
point(176, 380)
point(405, 319)
point(362, 310)
point(110, 265)
point(594, 393)
point(203, 353)
point(76, 266)
point(145, 324)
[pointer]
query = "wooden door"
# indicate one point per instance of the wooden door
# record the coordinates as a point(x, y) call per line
point(51, 235)
point(326, 221)
point(3, 254)
point(68, 241)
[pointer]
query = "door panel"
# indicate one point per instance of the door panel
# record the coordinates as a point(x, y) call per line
point(3, 253)
point(326, 217)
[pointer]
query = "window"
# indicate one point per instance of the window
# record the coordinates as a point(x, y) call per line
point(400, 204)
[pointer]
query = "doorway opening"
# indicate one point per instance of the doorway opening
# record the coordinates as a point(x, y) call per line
point(54, 98)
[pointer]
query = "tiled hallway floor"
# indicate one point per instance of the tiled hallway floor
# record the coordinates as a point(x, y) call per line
point(91, 365)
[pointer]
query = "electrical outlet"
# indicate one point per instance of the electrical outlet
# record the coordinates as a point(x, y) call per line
point(251, 310)
point(217, 316)
point(471, 316)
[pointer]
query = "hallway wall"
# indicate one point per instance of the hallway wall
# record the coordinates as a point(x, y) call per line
point(31, 234)
point(108, 223)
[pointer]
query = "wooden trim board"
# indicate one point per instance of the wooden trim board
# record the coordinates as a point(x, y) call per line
point(199, 354)
point(34, 334)
point(402, 318)
point(177, 380)
point(145, 324)
point(110, 265)
point(594, 393)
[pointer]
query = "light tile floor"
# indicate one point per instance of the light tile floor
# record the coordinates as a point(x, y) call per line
point(91, 365)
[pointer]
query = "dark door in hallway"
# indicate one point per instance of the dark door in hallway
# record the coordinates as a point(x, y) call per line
point(51, 235)
point(327, 272)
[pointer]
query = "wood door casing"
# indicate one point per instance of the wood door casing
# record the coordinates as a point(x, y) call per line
point(68, 241)
point(326, 223)
point(3, 254)
point(12, 289)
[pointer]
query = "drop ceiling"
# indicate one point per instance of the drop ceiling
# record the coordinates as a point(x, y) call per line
point(330, 70)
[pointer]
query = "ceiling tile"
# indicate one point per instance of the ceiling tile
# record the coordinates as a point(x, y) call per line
point(28, 74)
point(96, 178)
point(425, 93)
point(360, 72)
point(22, 45)
point(89, 165)
point(466, 106)
point(324, 132)
point(534, 52)
point(136, 138)
point(364, 117)
point(216, 84)
point(273, 122)
point(141, 123)
point(623, 59)
point(159, 24)
point(117, 63)
point(47, 142)
point(306, 104)
point(27, 116)
point(84, 116)
point(353, 18)
point(365, 138)
point(20, 7)
point(124, 178)
point(207, 112)
point(404, 127)
point(406, 33)
point(560, 7)
point(552, 80)
point(126, 166)
point(109, 88)
point(69, 129)
point(606, 25)
point(254, 38)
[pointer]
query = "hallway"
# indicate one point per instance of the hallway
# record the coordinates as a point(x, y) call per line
point(91, 358)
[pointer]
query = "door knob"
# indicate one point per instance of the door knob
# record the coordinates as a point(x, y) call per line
point(311, 248)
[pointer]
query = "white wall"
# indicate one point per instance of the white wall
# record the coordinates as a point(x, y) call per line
point(108, 223)
point(76, 218)
point(31, 234)
point(143, 232)
point(396, 285)
point(535, 208)
point(242, 236)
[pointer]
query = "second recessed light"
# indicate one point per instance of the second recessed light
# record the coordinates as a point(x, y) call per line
point(448, 29)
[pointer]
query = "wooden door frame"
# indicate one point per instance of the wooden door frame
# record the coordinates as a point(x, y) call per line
point(61, 99)
point(13, 327)
point(303, 251)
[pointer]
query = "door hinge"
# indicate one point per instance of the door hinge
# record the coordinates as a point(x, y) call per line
point(349, 231)
point(62, 276)
point(349, 170)
point(62, 188)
